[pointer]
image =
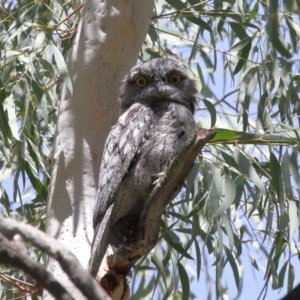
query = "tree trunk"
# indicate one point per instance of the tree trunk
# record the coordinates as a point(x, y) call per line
point(106, 45)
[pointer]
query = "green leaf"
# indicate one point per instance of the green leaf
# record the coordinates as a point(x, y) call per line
point(5, 133)
point(291, 277)
point(198, 258)
point(277, 182)
point(195, 46)
point(239, 30)
point(36, 183)
point(273, 30)
point(243, 56)
point(38, 91)
point(234, 267)
point(143, 288)
point(46, 67)
point(26, 99)
point(202, 24)
point(184, 279)
point(206, 237)
point(5, 152)
point(4, 200)
point(286, 167)
point(246, 168)
point(293, 218)
point(62, 67)
point(254, 264)
point(153, 34)
point(294, 31)
point(253, 26)
point(162, 270)
point(228, 196)
point(212, 111)
point(214, 184)
point(36, 155)
point(173, 240)
point(229, 231)
point(191, 179)
point(9, 108)
point(177, 4)
point(200, 75)
point(281, 275)
point(228, 136)
point(39, 40)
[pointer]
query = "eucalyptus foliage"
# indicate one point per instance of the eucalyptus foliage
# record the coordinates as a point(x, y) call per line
point(241, 200)
point(35, 38)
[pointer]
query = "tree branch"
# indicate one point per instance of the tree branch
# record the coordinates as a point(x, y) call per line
point(15, 253)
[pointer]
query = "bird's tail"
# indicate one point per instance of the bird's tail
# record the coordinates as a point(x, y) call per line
point(100, 243)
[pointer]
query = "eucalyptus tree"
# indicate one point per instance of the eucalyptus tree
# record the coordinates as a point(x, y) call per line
point(238, 215)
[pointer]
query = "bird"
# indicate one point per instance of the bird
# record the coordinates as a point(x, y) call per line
point(157, 104)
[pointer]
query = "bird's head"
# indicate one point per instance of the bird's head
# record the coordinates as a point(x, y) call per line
point(158, 79)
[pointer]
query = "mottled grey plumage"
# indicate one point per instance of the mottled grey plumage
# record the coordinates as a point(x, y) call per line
point(157, 104)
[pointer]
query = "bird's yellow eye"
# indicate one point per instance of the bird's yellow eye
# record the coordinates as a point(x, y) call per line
point(174, 79)
point(140, 81)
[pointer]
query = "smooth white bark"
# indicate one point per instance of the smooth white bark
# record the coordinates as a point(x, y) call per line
point(107, 42)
